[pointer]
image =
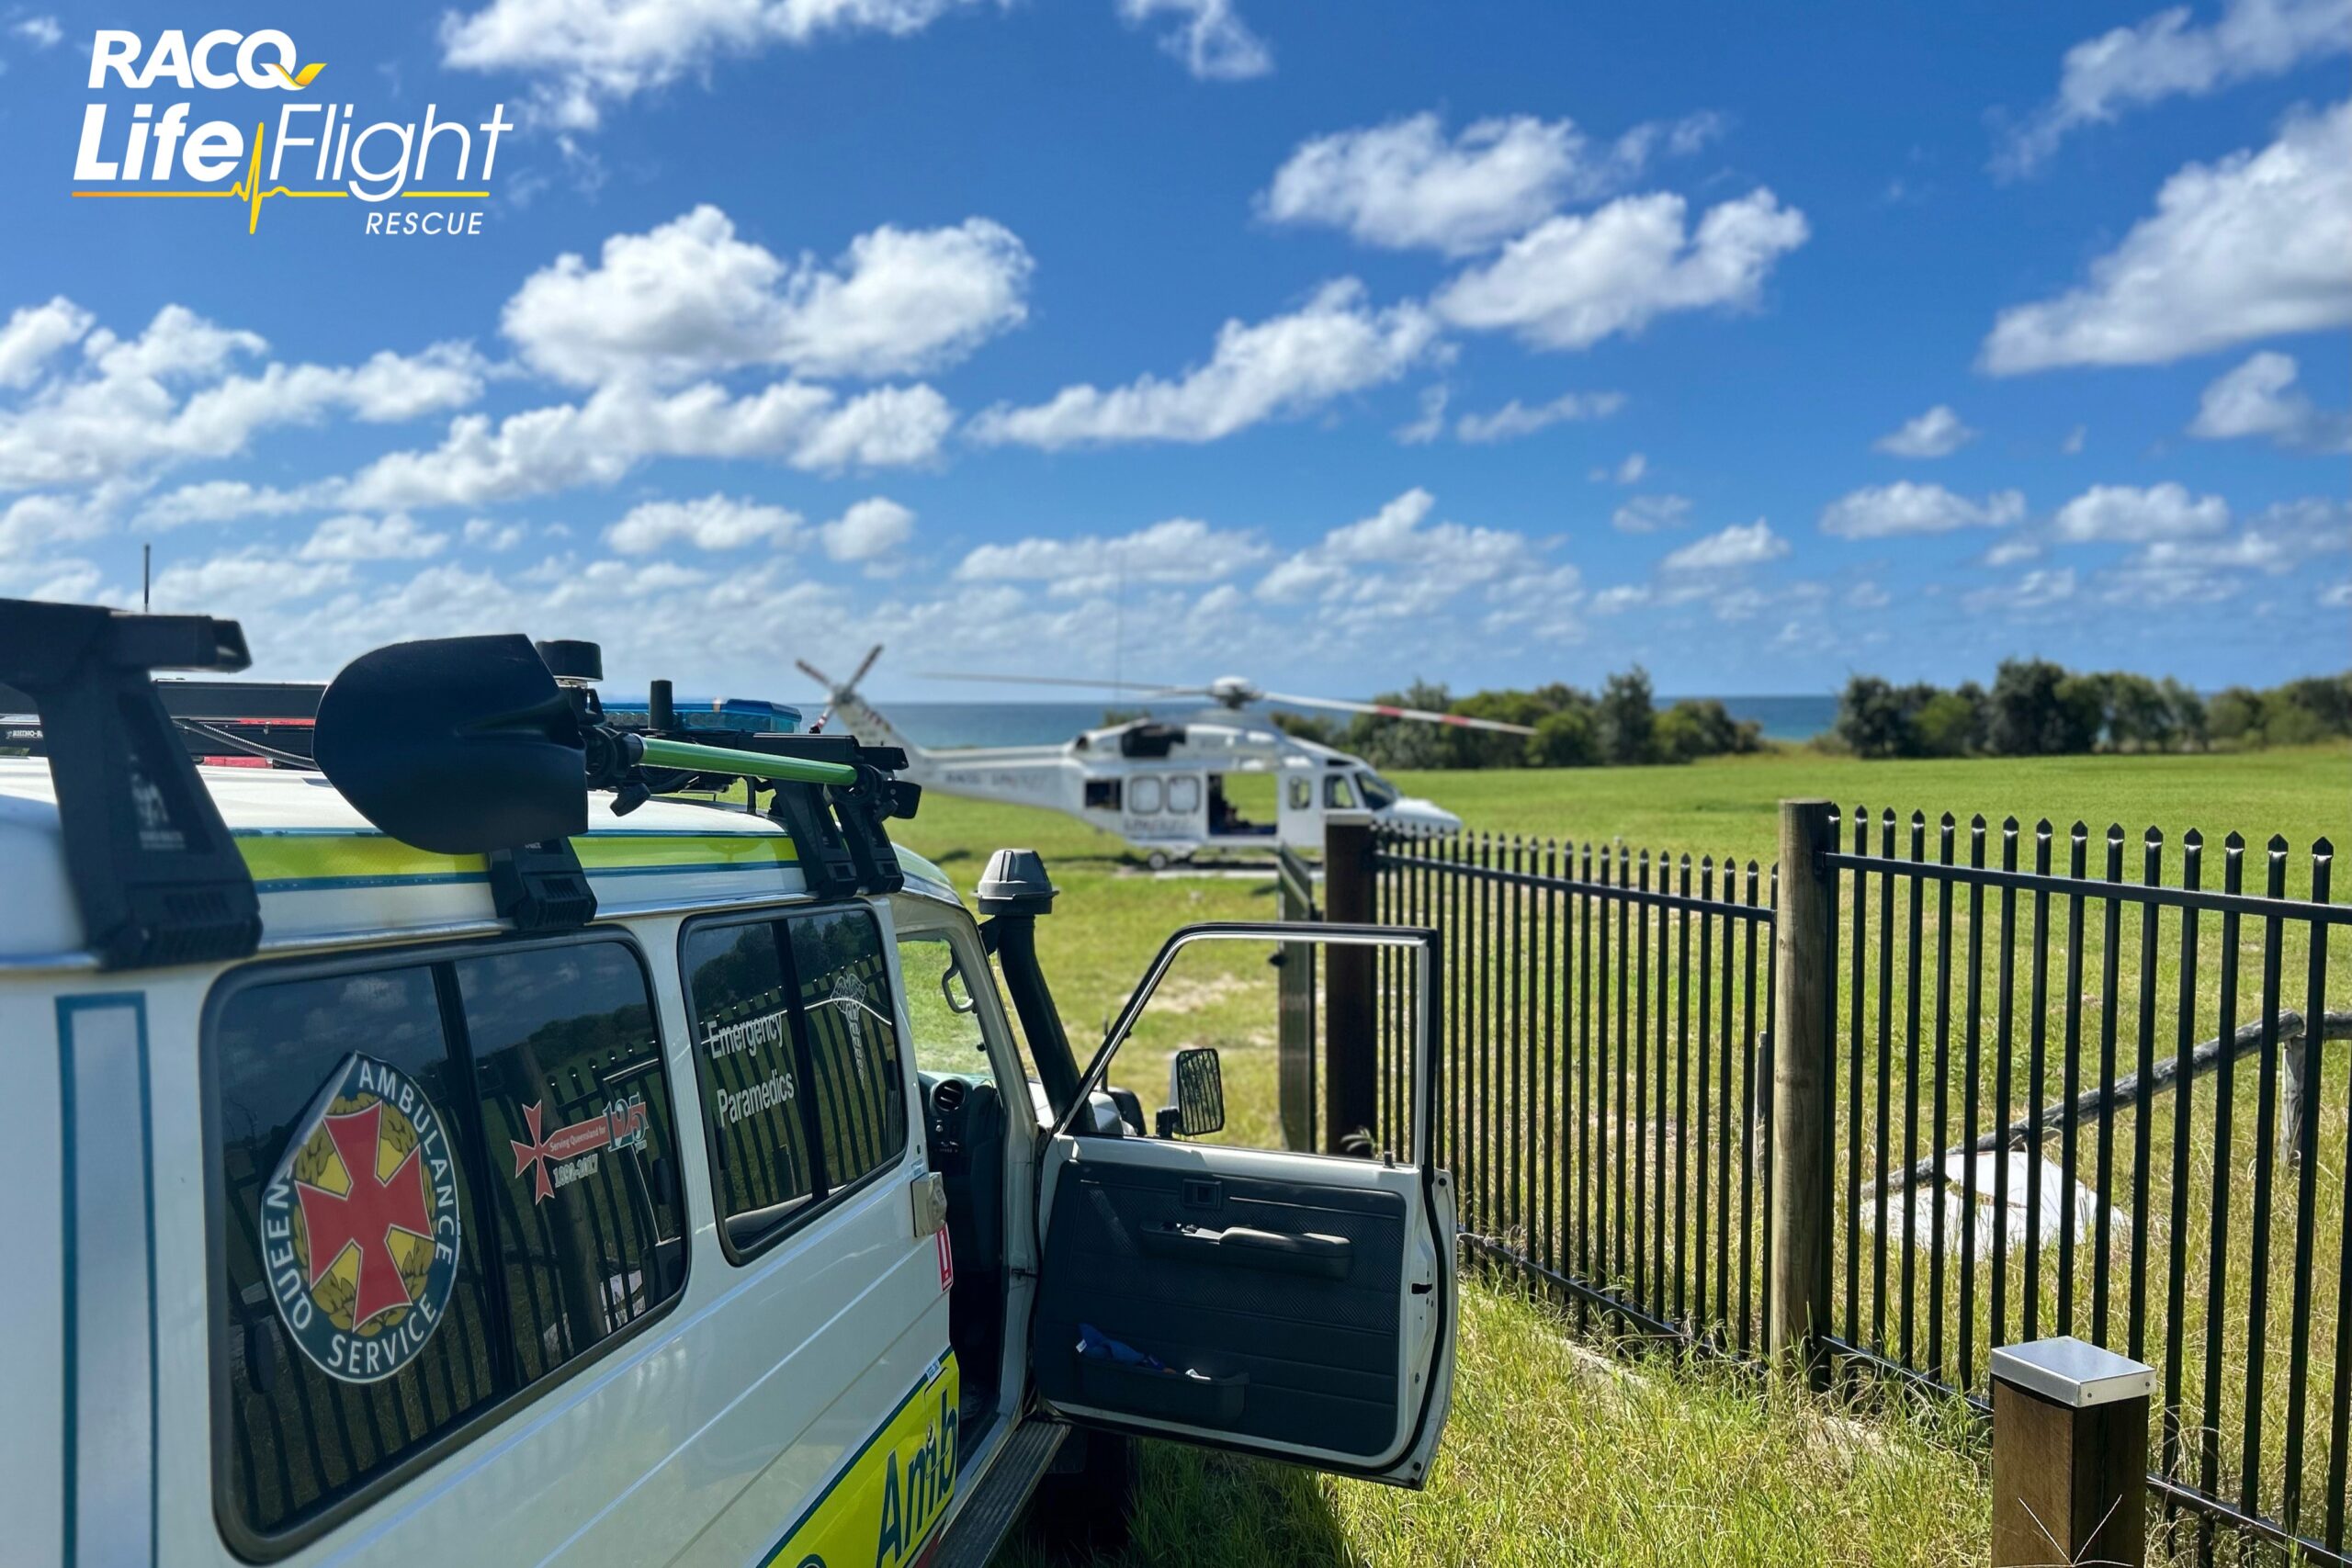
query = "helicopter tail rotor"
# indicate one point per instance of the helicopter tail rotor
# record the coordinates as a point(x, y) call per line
point(836, 690)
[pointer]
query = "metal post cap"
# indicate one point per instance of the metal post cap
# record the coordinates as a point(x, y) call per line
point(568, 658)
point(1015, 883)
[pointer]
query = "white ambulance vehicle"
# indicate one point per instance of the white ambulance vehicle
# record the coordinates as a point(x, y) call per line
point(458, 1151)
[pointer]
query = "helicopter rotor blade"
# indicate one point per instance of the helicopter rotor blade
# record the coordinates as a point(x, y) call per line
point(1151, 687)
point(1383, 710)
point(863, 665)
point(814, 673)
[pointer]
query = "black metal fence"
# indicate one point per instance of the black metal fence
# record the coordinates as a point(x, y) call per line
point(2061, 1100)
point(1603, 1069)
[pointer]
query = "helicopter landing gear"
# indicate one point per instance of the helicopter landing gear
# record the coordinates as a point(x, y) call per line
point(1157, 860)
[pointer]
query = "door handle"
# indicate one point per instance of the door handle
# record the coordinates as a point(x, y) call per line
point(1330, 1257)
point(927, 1197)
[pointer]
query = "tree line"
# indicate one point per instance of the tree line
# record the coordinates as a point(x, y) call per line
point(2036, 708)
point(1619, 726)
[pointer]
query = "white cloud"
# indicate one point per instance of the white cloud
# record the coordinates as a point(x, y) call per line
point(1334, 344)
point(710, 523)
point(2013, 551)
point(1734, 547)
point(2122, 515)
point(1176, 550)
point(1938, 433)
point(1405, 184)
point(1577, 278)
point(1620, 598)
point(2038, 589)
point(32, 523)
point(1397, 566)
point(689, 299)
point(224, 584)
point(485, 533)
point(1208, 36)
point(1868, 595)
point(224, 500)
point(2163, 56)
point(2073, 445)
point(1515, 419)
point(2259, 398)
point(1431, 423)
point(166, 397)
point(354, 537)
point(1651, 514)
point(1628, 472)
point(587, 53)
point(2250, 246)
point(41, 32)
point(34, 334)
point(623, 425)
point(869, 531)
point(1887, 510)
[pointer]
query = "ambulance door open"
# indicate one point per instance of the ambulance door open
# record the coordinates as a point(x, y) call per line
point(1291, 1305)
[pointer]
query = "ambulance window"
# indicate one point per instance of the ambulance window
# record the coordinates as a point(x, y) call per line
point(338, 1104)
point(747, 1061)
point(1143, 796)
point(1302, 792)
point(1184, 795)
point(944, 1019)
point(1338, 792)
point(858, 1090)
point(569, 1075)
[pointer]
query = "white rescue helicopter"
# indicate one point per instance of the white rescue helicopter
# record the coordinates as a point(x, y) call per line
point(1169, 788)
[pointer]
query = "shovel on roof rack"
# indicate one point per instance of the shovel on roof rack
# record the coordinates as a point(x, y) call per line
point(472, 746)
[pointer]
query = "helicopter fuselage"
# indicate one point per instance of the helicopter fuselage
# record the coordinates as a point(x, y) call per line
point(1170, 789)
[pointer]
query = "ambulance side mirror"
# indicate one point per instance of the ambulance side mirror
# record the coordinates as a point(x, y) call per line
point(1197, 1090)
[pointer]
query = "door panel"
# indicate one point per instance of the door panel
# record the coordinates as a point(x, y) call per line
point(1299, 1306)
point(1298, 1346)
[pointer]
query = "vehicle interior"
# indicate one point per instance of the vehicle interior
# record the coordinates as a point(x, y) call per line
point(965, 1126)
point(1241, 803)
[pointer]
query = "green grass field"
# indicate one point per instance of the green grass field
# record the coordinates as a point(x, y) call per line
point(1597, 1463)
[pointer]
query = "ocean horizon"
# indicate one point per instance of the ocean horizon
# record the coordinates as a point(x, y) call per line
point(941, 726)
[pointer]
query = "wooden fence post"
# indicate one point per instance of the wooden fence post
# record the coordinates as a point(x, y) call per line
point(1351, 1043)
point(1804, 949)
point(2070, 1455)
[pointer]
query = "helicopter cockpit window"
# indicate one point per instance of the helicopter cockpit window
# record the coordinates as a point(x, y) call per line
point(1339, 794)
point(1378, 793)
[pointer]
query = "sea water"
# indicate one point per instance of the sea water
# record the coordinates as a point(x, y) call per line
point(1038, 724)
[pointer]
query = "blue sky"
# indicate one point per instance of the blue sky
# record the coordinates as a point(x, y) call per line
point(1329, 344)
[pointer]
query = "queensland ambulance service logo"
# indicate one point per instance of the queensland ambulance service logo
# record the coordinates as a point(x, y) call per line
point(277, 137)
point(359, 1224)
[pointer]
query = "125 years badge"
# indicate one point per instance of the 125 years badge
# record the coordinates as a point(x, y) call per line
point(359, 1225)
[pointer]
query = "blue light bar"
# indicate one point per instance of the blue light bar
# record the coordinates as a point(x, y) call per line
point(724, 715)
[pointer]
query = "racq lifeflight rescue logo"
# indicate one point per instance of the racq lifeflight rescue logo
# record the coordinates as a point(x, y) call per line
point(359, 1225)
point(302, 144)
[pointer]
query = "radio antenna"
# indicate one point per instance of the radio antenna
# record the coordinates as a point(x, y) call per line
point(146, 578)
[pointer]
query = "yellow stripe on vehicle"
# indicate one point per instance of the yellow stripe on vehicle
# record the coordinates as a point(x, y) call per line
point(884, 1504)
point(348, 860)
point(288, 861)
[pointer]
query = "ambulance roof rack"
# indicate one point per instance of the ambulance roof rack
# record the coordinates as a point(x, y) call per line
point(155, 872)
point(483, 745)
